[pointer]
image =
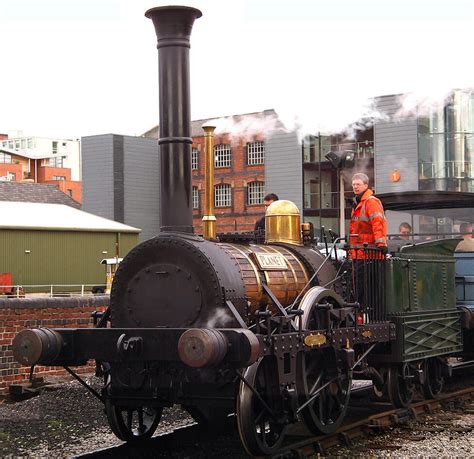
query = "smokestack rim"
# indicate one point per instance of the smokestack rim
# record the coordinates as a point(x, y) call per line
point(149, 13)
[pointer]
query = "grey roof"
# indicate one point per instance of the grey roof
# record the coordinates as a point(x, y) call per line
point(35, 192)
point(56, 217)
point(234, 124)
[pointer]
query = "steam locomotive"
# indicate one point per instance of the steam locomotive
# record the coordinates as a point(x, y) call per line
point(268, 330)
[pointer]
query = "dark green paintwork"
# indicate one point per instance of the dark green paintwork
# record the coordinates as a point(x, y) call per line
point(421, 301)
point(426, 334)
point(59, 257)
point(421, 278)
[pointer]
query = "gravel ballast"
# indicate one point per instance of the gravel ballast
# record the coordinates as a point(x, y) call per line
point(66, 420)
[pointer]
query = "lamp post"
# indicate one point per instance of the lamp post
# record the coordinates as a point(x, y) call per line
point(341, 160)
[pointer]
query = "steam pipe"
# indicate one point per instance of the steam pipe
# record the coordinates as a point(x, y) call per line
point(173, 25)
point(209, 219)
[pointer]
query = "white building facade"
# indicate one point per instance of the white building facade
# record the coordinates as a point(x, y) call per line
point(59, 152)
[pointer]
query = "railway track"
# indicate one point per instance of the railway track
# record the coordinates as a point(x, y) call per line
point(362, 421)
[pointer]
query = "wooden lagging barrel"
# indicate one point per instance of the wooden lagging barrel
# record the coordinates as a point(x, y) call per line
point(285, 283)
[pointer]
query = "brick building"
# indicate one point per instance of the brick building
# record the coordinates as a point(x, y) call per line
point(254, 155)
point(239, 168)
point(40, 160)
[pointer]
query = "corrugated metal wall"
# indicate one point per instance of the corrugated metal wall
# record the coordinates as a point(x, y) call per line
point(396, 147)
point(59, 257)
point(142, 185)
point(97, 175)
point(121, 180)
point(284, 166)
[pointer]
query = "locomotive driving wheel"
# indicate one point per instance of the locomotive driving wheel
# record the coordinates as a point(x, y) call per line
point(401, 384)
point(260, 417)
point(132, 424)
point(434, 380)
point(322, 382)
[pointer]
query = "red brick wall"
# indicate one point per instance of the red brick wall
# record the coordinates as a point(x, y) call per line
point(15, 319)
point(15, 168)
point(240, 216)
point(46, 173)
point(71, 188)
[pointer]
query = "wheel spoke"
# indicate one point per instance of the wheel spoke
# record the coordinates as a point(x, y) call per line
point(133, 424)
point(258, 409)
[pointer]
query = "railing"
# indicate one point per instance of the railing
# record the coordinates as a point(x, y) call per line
point(368, 281)
point(47, 290)
point(445, 169)
point(325, 200)
point(362, 150)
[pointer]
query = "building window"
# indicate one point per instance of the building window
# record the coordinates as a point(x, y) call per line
point(194, 159)
point(255, 193)
point(11, 176)
point(59, 177)
point(255, 153)
point(69, 192)
point(195, 197)
point(223, 195)
point(56, 162)
point(30, 143)
point(5, 158)
point(222, 155)
point(55, 148)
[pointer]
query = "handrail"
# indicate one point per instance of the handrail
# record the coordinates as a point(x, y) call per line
point(50, 290)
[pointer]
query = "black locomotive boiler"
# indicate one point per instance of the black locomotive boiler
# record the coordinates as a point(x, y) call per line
point(265, 330)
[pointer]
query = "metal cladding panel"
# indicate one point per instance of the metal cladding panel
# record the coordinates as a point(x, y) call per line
point(141, 176)
point(58, 257)
point(427, 334)
point(421, 284)
point(396, 147)
point(98, 175)
point(284, 167)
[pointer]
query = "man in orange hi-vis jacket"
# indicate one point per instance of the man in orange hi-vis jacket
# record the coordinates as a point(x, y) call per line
point(368, 226)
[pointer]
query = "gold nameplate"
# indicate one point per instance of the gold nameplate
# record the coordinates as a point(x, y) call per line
point(315, 340)
point(270, 261)
point(367, 334)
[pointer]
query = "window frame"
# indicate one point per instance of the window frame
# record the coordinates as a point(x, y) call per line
point(222, 156)
point(260, 193)
point(255, 153)
point(222, 195)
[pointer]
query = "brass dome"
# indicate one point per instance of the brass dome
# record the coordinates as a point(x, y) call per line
point(282, 223)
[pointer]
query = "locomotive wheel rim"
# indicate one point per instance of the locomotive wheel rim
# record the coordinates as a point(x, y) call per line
point(132, 424)
point(434, 381)
point(260, 433)
point(313, 296)
point(400, 386)
point(326, 413)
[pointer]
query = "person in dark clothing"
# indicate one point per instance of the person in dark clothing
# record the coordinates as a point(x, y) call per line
point(267, 200)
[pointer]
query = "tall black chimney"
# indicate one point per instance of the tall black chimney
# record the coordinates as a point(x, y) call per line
point(173, 25)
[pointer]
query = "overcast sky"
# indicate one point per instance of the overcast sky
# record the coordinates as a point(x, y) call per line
point(71, 68)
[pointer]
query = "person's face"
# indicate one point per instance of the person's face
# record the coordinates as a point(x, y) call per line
point(267, 202)
point(469, 233)
point(404, 233)
point(359, 186)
